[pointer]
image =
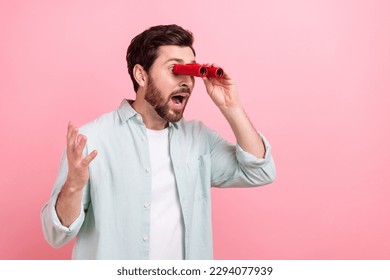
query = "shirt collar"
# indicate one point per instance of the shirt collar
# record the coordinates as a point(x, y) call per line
point(127, 112)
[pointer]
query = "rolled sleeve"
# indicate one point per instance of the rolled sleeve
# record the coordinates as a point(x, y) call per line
point(56, 234)
point(234, 167)
point(258, 171)
point(248, 159)
point(74, 227)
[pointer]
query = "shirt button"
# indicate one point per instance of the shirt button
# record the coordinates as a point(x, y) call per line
point(146, 205)
point(143, 138)
point(147, 170)
point(145, 238)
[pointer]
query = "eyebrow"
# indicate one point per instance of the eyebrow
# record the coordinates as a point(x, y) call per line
point(178, 60)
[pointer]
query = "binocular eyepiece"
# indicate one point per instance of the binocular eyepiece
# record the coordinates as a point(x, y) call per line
point(198, 70)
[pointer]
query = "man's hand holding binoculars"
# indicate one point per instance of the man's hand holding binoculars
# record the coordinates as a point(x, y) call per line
point(222, 90)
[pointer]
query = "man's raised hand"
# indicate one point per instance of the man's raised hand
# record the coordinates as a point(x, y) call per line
point(78, 173)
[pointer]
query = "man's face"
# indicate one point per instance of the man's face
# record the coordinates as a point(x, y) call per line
point(166, 92)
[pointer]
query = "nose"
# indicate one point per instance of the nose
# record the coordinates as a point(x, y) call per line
point(187, 81)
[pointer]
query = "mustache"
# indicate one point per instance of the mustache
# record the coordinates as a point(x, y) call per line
point(181, 90)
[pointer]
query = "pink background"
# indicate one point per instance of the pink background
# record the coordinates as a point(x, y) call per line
point(313, 76)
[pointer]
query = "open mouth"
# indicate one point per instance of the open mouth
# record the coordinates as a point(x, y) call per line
point(179, 99)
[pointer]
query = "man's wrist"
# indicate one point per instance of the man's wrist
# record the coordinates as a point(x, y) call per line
point(72, 188)
point(233, 112)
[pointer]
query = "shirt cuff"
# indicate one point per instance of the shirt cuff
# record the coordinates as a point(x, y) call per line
point(250, 160)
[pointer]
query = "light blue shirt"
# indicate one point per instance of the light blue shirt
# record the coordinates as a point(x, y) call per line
point(115, 219)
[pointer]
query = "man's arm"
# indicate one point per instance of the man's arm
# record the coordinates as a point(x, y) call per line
point(69, 200)
point(224, 94)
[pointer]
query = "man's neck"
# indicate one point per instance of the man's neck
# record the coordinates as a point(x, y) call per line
point(149, 116)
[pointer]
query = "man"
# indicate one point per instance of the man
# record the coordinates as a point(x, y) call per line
point(139, 188)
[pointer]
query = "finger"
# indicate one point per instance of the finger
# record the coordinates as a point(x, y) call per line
point(207, 83)
point(211, 82)
point(226, 75)
point(87, 160)
point(70, 125)
point(80, 144)
point(71, 141)
point(69, 135)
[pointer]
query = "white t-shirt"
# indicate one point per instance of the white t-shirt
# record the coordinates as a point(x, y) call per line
point(166, 221)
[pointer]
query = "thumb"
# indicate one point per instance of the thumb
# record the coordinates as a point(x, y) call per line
point(208, 84)
point(87, 160)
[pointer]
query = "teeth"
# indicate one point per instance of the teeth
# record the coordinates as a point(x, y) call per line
point(177, 99)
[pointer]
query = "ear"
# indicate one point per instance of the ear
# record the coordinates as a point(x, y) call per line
point(140, 75)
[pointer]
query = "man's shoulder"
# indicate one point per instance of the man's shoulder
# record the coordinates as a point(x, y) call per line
point(104, 122)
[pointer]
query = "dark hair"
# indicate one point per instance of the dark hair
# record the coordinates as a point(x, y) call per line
point(143, 49)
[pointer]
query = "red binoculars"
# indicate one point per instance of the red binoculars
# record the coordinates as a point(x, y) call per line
point(198, 70)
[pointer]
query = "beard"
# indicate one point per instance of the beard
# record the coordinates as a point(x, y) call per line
point(162, 106)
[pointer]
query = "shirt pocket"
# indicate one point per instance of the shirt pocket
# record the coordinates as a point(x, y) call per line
point(199, 179)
